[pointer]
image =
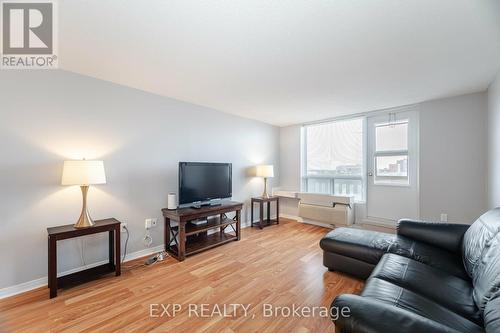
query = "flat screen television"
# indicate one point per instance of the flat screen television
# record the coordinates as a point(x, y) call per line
point(201, 182)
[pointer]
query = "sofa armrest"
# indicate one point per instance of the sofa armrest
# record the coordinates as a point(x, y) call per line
point(367, 315)
point(447, 236)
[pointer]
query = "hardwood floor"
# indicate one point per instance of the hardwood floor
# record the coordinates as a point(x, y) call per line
point(280, 265)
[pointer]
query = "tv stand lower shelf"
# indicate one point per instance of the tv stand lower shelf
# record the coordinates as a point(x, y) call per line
point(185, 239)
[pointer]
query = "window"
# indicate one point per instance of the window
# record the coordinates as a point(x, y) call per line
point(391, 153)
point(333, 158)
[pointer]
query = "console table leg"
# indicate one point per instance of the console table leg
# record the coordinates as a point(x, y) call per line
point(53, 267)
point(278, 211)
point(251, 213)
point(221, 229)
point(111, 245)
point(261, 213)
point(268, 212)
point(167, 233)
point(238, 224)
point(182, 241)
point(118, 268)
point(48, 262)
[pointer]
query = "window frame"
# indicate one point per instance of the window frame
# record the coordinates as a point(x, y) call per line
point(392, 180)
point(304, 177)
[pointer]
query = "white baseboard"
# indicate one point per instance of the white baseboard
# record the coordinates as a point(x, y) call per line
point(22, 287)
point(30, 285)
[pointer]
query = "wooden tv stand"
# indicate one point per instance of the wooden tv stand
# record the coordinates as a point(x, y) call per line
point(185, 238)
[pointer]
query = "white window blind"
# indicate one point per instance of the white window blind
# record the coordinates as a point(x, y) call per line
point(333, 158)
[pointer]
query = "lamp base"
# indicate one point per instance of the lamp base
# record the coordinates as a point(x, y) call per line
point(84, 221)
point(265, 194)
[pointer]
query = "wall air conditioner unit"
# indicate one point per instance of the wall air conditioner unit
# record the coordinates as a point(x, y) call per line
point(329, 209)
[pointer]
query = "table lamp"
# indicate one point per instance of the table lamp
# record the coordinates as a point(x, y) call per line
point(265, 171)
point(83, 173)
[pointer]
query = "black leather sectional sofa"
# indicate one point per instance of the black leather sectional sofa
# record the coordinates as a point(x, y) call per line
point(429, 277)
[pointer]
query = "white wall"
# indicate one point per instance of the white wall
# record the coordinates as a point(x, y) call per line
point(494, 143)
point(49, 116)
point(290, 157)
point(290, 170)
point(453, 158)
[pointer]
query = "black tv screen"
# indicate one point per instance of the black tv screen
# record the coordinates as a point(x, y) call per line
point(199, 181)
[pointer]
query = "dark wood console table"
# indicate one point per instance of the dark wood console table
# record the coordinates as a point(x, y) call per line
point(186, 239)
point(112, 226)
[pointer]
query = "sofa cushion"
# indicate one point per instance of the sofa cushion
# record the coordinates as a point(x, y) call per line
point(486, 277)
point(492, 316)
point(445, 289)
point(389, 293)
point(447, 236)
point(477, 238)
point(429, 255)
point(349, 265)
point(368, 315)
point(370, 246)
point(481, 256)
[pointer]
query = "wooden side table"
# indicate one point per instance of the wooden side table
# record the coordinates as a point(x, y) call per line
point(112, 226)
point(261, 201)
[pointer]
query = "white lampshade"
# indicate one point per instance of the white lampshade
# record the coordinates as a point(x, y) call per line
point(83, 173)
point(266, 171)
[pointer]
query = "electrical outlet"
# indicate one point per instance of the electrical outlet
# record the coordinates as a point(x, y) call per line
point(123, 225)
point(150, 223)
point(444, 217)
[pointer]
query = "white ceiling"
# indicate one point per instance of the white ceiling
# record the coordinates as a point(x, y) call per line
point(286, 62)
